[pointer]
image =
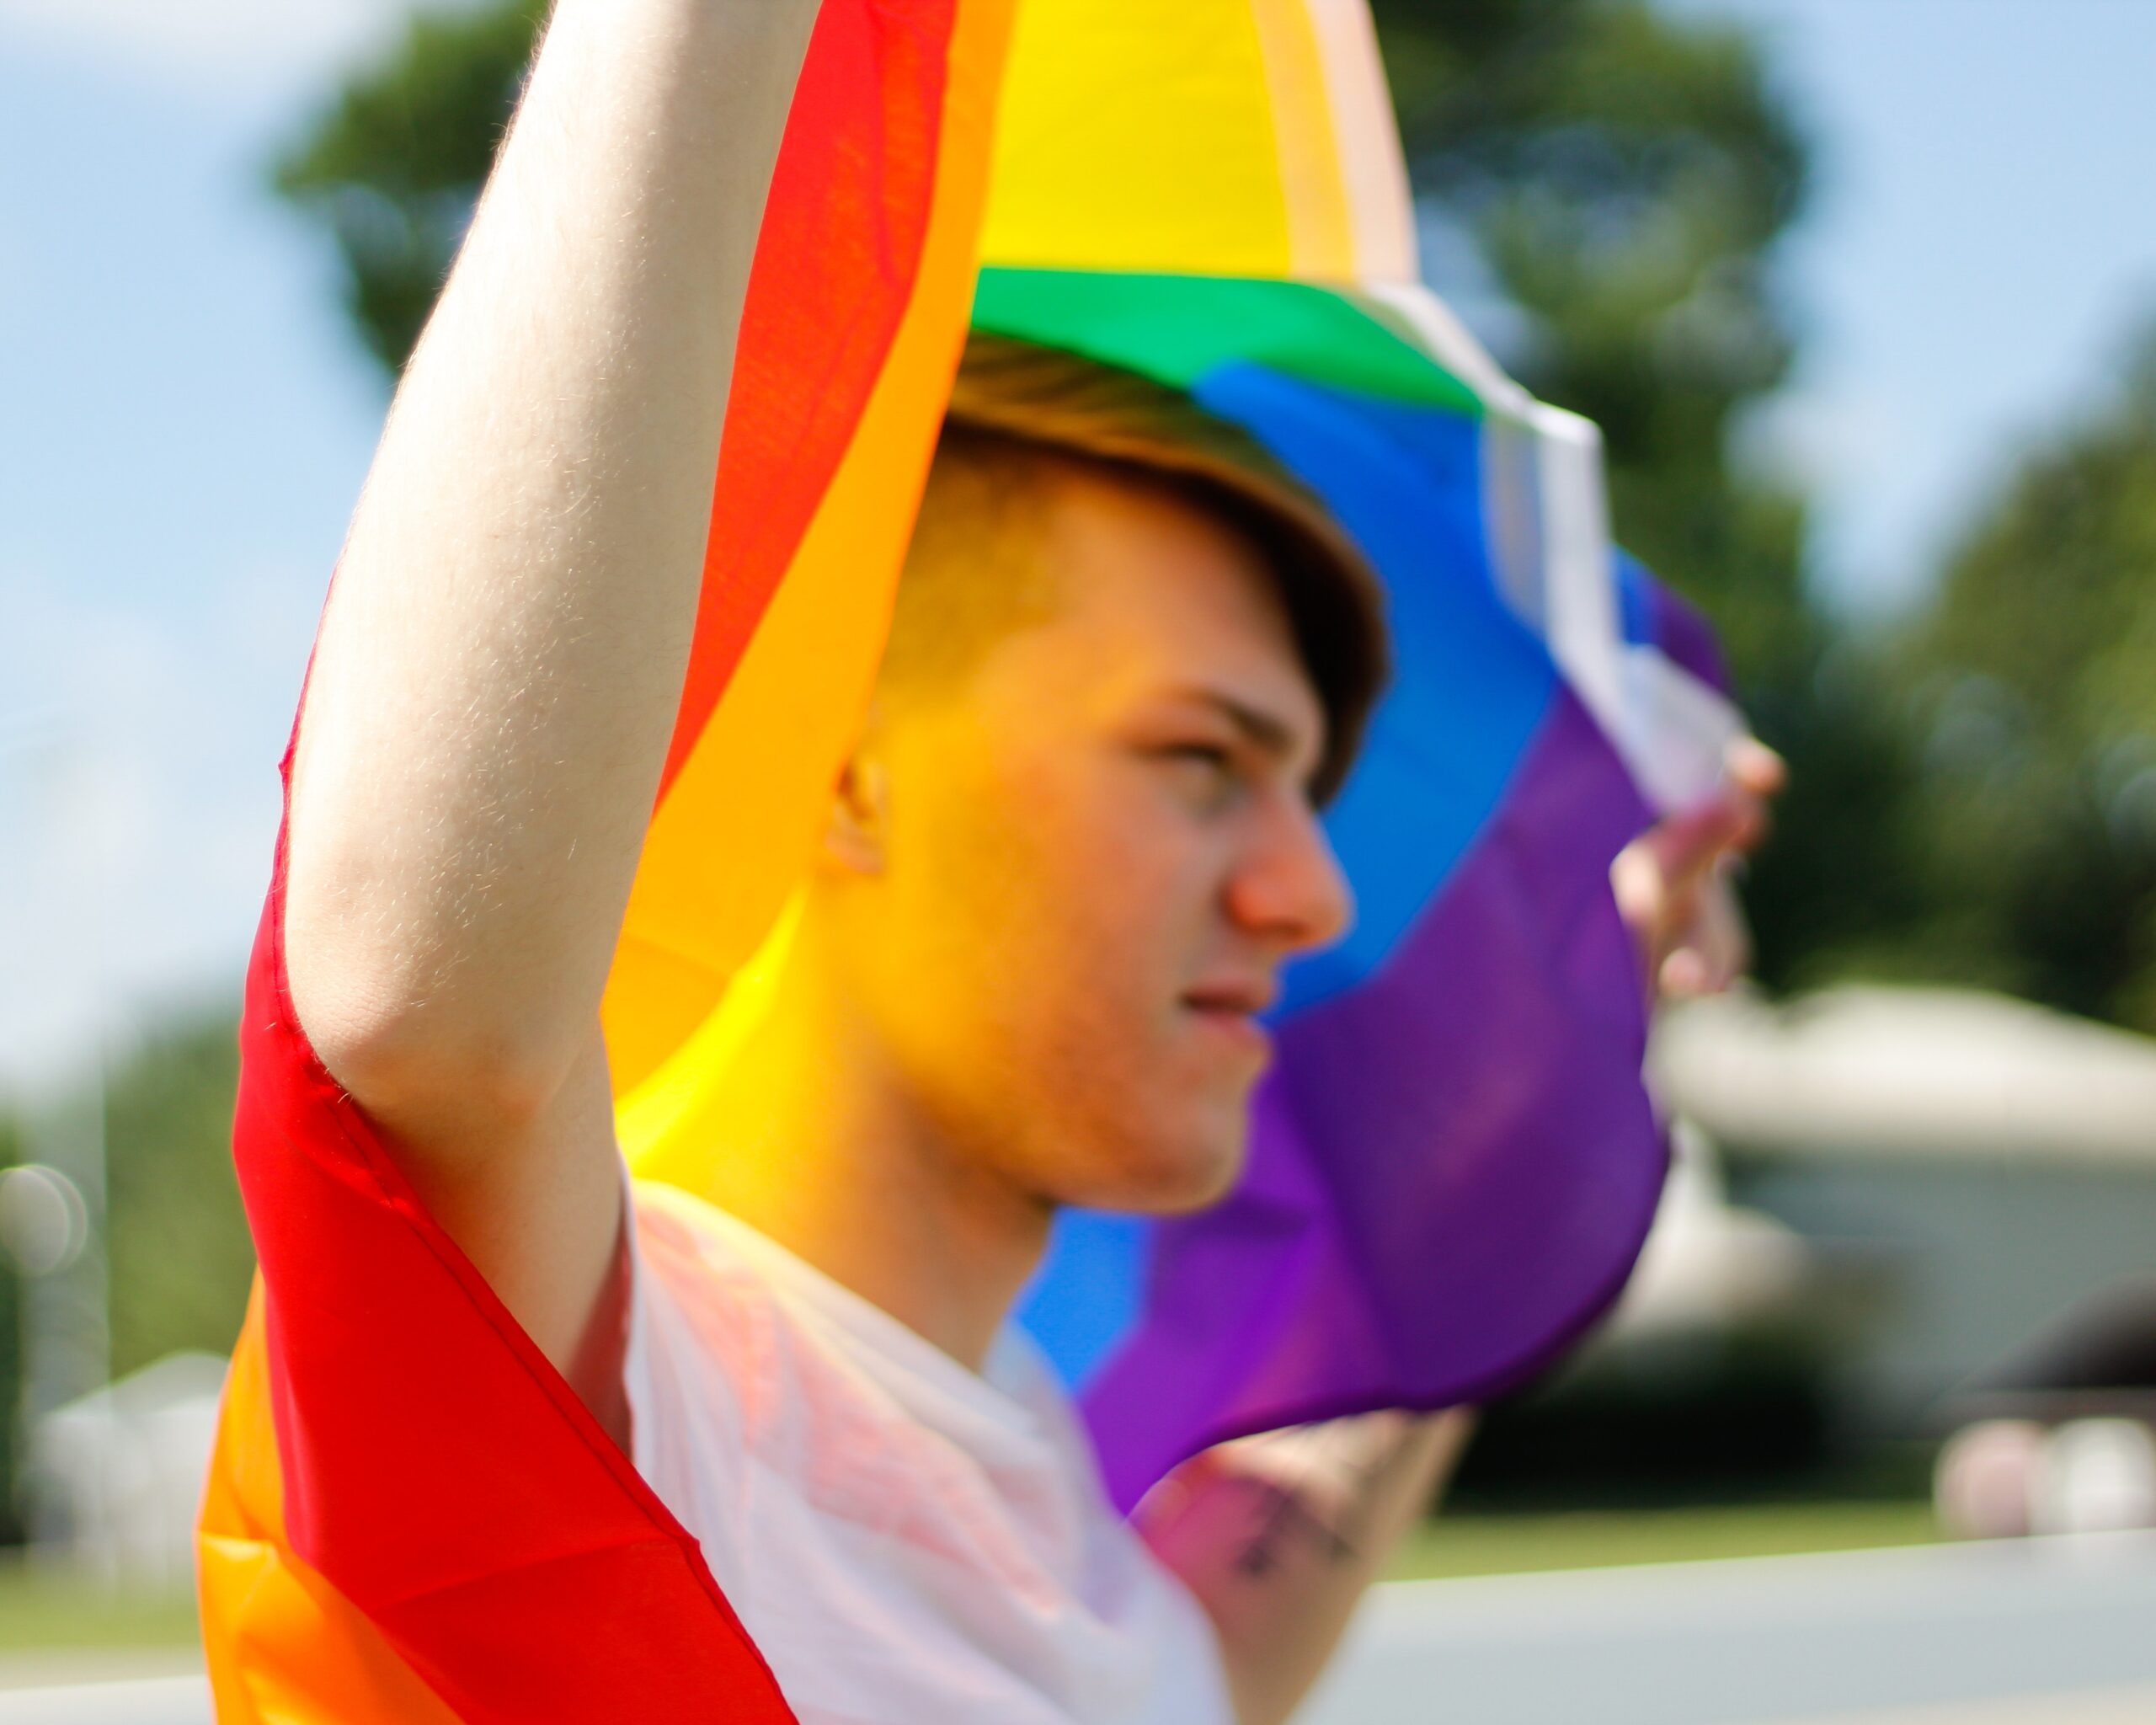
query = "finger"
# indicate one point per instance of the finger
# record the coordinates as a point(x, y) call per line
point(1715, 948)
point(1689, 845)
point(1680, 839)
point(1735, 815)
point(1754, 768)
point(1639, 882)
point(1683, 976)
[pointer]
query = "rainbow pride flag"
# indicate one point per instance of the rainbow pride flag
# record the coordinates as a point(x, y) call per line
point(410, 1517)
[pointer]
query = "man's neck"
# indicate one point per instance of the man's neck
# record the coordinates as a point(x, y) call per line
point(822, 1150)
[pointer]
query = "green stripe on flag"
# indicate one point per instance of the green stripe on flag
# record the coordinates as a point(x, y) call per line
point(1177, 328)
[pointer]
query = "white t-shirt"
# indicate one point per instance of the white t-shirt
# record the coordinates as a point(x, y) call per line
point(909, 1543)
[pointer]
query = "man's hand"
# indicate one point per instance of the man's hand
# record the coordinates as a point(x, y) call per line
point(1674, 883)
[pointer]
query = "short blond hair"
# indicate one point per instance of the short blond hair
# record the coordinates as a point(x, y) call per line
point(1016, 408)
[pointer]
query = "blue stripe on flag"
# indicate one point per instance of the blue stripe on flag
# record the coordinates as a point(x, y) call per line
point(1089, 1291)
point(1470, 683)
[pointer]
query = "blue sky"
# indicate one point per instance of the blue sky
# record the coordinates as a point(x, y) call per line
point(183, 422)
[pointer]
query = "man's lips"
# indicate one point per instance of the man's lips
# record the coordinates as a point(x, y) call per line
point(1246, 998)
point(1232, 1008)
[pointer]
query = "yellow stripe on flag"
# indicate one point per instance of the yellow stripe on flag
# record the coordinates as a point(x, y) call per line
point(1138, 136)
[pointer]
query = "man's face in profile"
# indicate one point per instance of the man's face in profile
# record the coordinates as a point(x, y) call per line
point(1096, 851)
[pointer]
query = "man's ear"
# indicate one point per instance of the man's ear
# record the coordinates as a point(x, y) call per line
point(854, 836)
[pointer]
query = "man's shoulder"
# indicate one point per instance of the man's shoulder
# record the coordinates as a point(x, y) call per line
point(690, 1269)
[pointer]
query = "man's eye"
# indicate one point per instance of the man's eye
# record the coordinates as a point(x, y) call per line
point(1208, 755)
point(1207, 771)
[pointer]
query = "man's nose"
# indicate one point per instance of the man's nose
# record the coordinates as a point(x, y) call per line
point(1290, 886)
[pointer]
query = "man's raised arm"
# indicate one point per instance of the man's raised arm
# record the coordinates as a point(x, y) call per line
point(499, 667)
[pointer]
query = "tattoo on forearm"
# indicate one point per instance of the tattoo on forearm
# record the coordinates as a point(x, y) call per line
point(1288, 1517)
point(1290, 1512)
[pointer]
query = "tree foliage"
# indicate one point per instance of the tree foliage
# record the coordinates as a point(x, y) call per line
point(395, 165)
point(11, 1363)
point(182, 1258)
point(176, 1236)
point(2033, 676)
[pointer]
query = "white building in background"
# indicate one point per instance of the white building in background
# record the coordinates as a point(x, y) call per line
point(1961, 1169)
point(119, 1474)
point(1709, 1263)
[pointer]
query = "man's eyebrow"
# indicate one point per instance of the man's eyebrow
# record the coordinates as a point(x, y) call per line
point(1267, 731)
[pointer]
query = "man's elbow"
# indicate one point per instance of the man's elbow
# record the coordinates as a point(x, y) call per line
point(445, 1073)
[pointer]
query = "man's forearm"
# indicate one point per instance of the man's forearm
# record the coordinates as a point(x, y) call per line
point(499, 665)
point(1280, 1537)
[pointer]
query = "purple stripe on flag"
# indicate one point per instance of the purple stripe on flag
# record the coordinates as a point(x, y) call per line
point(1454, 1165)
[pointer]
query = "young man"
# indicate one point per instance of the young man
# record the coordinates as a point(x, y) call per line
point(1063, 869)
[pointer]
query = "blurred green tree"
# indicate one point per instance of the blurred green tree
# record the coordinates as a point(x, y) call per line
point(394, 166)
point(11, 1362)
point(181, 1259)
point(1621, 177)
point(2033, 676)
point(176, 1235)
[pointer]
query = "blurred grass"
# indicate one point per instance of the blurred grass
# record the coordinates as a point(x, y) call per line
point(44, 1611)
point(1514, 1544)
point(40, 1611)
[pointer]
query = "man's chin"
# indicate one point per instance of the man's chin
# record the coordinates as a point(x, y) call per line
point(1192, 1196)
point(1179, 1178)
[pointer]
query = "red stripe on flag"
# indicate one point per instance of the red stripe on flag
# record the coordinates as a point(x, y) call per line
point(438, 1470)
point(836, 266)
